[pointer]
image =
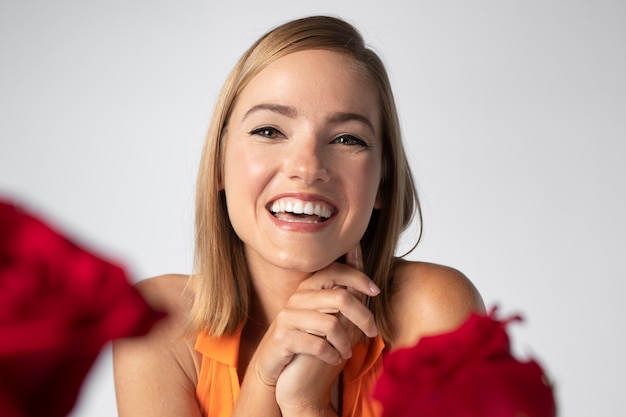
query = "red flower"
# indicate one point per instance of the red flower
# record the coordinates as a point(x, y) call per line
point(59, 305)
point(469, 372)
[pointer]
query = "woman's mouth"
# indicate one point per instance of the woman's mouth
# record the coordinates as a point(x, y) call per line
point(294, 210)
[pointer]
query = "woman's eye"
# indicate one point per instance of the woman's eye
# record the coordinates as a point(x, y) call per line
point(267, 132)
point(350, 140)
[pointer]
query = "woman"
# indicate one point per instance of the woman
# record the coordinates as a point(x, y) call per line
point(302, 194)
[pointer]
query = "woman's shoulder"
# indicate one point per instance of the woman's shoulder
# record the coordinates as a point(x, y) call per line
point(430, 299)
point(167, 293)
point(168, 349)
point(170, 295)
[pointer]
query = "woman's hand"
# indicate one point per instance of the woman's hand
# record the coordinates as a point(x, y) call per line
point(306, 346)
point(322, 321)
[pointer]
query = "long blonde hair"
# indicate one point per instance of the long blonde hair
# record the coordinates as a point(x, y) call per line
point(221, 280)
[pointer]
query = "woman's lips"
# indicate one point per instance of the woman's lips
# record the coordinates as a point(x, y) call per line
point(296, 210)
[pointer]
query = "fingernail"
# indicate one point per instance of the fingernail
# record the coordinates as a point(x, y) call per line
point(374, 288)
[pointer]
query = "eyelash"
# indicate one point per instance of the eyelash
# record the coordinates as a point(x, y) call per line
point(355, 141)
point(345, 139)
point(267, 132)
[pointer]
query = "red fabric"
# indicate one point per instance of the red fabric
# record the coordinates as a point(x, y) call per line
point(59, 305)
point(469, 372)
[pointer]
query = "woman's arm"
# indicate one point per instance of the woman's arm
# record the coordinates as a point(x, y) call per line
point(155, 375)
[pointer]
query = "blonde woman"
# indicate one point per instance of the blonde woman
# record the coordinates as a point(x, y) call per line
point(303, 192)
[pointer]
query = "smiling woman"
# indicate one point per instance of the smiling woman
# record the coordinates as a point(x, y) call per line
point(303, 192)
point(304, 151)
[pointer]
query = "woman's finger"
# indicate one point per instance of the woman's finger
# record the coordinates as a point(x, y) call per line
point(341, 275)
point(313, 333)
point(333, 301)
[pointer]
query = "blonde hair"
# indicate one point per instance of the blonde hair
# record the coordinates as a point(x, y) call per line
point(221, 281)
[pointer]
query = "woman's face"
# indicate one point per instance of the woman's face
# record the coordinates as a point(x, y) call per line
point(302, 161)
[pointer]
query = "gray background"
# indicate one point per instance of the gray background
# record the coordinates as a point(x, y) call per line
point(513, 114)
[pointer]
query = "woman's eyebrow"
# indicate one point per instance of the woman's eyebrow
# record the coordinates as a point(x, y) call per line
point(342, 117)
point(276, 108)
point(291, 112)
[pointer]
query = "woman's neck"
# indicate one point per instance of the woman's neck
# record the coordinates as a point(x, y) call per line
point(271, 289)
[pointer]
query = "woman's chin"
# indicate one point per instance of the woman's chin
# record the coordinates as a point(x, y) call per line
point(304, 262)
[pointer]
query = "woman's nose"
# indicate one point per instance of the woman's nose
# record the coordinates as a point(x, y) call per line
point(307, 162)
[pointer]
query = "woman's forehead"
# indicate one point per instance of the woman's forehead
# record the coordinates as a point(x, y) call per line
point(314, 78)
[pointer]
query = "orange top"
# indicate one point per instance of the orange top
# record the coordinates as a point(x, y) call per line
point(218, 382)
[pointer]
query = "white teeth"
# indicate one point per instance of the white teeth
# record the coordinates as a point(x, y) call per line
point(297, 207)
point(289, 205)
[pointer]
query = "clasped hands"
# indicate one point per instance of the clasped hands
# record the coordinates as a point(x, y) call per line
point(308, 343)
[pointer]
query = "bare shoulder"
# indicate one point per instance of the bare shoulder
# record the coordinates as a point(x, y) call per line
point(166, 293)
point(430, 299)
point(156, 374)
point(169, 294)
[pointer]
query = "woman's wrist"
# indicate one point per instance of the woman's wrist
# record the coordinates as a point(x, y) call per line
point(256, 397)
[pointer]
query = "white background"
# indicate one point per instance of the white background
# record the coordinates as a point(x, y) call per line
point(514, 117)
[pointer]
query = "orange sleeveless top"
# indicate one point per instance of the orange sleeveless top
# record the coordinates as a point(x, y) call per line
point(218, 381)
